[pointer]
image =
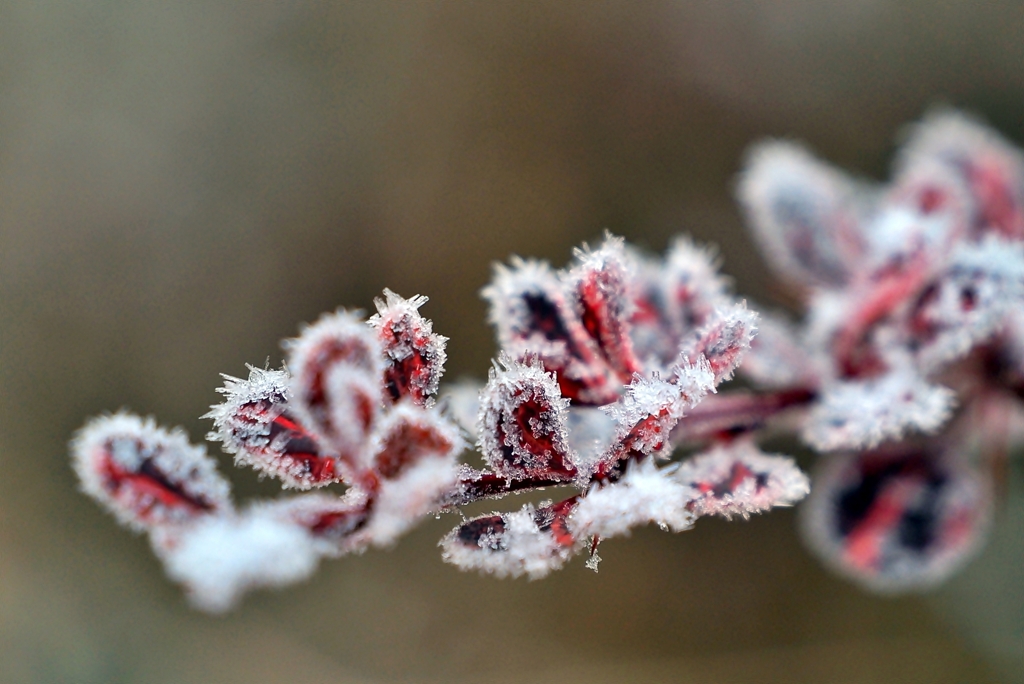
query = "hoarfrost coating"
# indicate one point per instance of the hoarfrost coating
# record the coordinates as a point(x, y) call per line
point(909, 354)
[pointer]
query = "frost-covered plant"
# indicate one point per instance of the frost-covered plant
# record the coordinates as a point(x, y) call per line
point(909, 357)
point(599, 364)
point(913, 343)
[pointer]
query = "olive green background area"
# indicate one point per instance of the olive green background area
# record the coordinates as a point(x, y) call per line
point(182, 184)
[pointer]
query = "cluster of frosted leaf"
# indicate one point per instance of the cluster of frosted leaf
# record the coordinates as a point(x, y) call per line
point(600, 363)
point(914, 293)
point(355, 406)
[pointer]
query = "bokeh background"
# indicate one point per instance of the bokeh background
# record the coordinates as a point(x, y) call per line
point(183, 183)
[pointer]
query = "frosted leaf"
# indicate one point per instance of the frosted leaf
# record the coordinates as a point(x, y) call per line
point(145, 475)
point(740, 479)
point(648, 411)
point(992, 167)
point(643, 495)
point(402, 502)
point(255, 425)
point(927, 209)
point(804, 213)
point(897, 521)
point(671, 299)
point(355, 399)
point(724, 339)
point(643, 398)
point(526, 300)
point(534, 318)
point(222, 557)
point(414, 355)
point(527, 542)
point(694, 287)
point(652, 396)
point(600, 286)
point(653, 334)
point(862, 414)
point(778, 357)
point(522, 422)
point(408, 435)
point(337, 369)
point(982, 284)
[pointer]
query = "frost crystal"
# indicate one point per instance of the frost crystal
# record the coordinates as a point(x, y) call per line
point(861, 415)
point(650, 406)
point(255, 425)
point(414, 354)
point(527, 542)
point(645, 495)
point(724, 339)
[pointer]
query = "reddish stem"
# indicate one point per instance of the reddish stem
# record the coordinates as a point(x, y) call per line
point(728, 415)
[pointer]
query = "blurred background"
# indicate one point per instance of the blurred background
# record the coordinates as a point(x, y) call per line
point(182, 184)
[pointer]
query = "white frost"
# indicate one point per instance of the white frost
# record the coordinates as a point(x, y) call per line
point(862, 414)
point(646, 494)
point(740, 479)
point(521, 548)
point(221, 558)
point(803, 212)
point(133, 443)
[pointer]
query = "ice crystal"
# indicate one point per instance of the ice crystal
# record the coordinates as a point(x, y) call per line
point(255, 425)
point(414, 353)
point(509, 544)
point(646, 494)
point(863, 414)
point(724, 339)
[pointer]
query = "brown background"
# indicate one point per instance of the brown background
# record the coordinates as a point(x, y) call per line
point(183, 183)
